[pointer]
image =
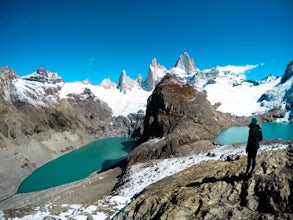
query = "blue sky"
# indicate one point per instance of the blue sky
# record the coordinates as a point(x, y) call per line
point(98, 39)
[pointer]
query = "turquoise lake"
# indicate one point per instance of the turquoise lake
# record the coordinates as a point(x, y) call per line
point(78, 164)
point(271, 130)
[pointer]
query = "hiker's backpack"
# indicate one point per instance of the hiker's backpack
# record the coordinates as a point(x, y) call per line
point(259, 134)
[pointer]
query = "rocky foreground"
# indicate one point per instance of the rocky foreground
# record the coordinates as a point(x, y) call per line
point(219, 190)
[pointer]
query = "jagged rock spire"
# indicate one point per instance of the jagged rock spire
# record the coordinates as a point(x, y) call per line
point(122, 81)
point(187, 64)
point(155, 73)
point(126, 84)
point(151, 82)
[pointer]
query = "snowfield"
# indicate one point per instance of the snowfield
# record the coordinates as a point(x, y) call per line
point(139, 177)
point(120, 103)
point(239, 99)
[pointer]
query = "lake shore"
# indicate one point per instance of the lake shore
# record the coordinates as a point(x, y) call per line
point(84, 191)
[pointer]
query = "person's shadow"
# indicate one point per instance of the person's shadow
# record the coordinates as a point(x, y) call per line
point(227, 179)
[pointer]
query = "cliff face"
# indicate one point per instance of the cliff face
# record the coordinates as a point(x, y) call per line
point(180, 117)
point(218, 190)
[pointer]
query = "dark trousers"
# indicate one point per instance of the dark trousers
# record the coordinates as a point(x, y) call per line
point(251, 160)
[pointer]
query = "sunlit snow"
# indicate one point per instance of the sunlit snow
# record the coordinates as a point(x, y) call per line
point(120, 103)
point(238, 98)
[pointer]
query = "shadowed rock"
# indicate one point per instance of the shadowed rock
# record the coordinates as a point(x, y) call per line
point(219, 190)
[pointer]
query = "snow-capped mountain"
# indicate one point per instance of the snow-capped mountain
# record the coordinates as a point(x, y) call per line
point(235, 94)
point(42, 75)
point(281, 95)
point(121, 103)
point(40, 88)
point(225, 86)
point(185, 69)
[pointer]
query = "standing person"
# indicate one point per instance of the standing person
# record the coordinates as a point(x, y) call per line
point(254, 137)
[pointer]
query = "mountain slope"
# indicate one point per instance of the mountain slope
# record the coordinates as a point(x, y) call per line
point(36, 126)
point(236, 95)
point(281, 95)
point(217, 190)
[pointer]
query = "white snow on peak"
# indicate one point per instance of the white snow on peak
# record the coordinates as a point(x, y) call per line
point(178, 72)
point(108, 84)
point(42, 75)
point(120, 103)
point(34, 92)
point(226, 85)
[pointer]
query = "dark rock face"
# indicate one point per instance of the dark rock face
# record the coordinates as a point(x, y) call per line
point(289, 102)
point(136, 124)
point(218, 190)
point(173, 103)
point(180, 114)
point(288, 73)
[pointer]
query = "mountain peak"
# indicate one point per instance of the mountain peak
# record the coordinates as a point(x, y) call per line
point(155, 73)
point(42, 75)
point(7, 73)
point(108, 84)
point(126, 84)
point(187, 64)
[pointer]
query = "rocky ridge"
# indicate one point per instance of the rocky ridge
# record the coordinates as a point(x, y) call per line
point(219, 190)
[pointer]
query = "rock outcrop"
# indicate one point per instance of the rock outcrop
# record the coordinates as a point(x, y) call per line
point(218, 190)
point(288, 73)
point(181, 117)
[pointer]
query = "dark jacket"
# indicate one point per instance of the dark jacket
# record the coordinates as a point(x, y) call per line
point(255, 135)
